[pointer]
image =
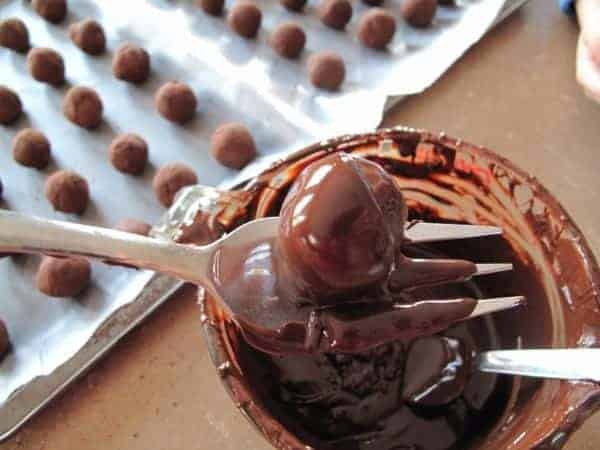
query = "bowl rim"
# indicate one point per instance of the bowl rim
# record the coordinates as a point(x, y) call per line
point(215, 326)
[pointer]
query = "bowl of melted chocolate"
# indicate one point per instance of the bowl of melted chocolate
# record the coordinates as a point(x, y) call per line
point(343, 204)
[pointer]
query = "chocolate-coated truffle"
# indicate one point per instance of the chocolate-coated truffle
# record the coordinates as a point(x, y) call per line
point(53, 11)
point(245, 18)
point(373, 2)
point(128, 153)
point(83, 107)
point(46, 65)
point(14, 35)
point(288, 40)
point(10, 106)
point(31, 148)
point(376, 28)
point(63, 277)
point(134, 226)
point(170, 179)
point(326, 70)
point(418, 13)
point(89, 36)
point(176, 102)
point(233, 146)
point(4, 339)
point(341, 222)
point(293, 5)
point(212, 7)
point(335, 13)
point(131, 63)
point(67, 191)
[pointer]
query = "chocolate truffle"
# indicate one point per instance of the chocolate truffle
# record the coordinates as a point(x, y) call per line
point(341, 222)
point(373, 2)
point(376, 28)
point(83, 107)
point(326, 70)
point(4, 340)
point(31, 148)
point(89, 36)
point(53, 11)
point(245, 18)
point(335, 13)
point(67, 191)
point(288, 40)
point(170, 179)
point(418, 13)
point(46, 65)
point(293, 5)
point(63, 277)
point(212, 7)
point(134, 226)
point(10, 106)
point(176, 102)
point(128, 153)
point(131, 63)
point(232, 145)
point(14, 35)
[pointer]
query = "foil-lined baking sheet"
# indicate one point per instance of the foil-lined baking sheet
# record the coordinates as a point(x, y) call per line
point(54, 340)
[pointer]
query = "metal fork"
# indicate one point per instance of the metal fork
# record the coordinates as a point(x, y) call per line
point(25, 234)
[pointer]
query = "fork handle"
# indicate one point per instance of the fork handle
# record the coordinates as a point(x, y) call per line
point(567, 364)
point(20, 233)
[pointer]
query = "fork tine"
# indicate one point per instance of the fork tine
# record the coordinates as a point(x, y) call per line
point(489, 268)
point(492, 305)
point(421, 232)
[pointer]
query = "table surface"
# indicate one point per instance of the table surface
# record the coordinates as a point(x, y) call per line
point(515, 92)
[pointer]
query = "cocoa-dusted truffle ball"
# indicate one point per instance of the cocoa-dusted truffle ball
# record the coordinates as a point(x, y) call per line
point(176, 102)
point(63, 277)
point(293, 5)
point(67, 191)
point(335, 13)
point(233, 146)
point(376, 28)
point(134, 226)
point(288, 40)
point(10, 106)
point(128, 153)
point(326, 70)
point(14, 35)
point(131, 63)
point(4, 340)
point(46, 65)
point(31, 148)
point(53, 11)
point(170, 179)
point(245, 18)
point(373, 2)
point(419, 13)
point(83, 107)
point(212, 7)
point(89, 36)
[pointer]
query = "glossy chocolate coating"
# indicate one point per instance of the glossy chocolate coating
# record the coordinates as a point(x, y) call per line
point(333, 252)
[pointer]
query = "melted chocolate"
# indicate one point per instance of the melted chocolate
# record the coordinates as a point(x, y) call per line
point(354, 401)
point(334, 277)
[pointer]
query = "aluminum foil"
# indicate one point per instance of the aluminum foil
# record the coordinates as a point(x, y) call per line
point(54, 340)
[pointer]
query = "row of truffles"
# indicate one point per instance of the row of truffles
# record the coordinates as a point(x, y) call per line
point(232, 144)
point(245, 17)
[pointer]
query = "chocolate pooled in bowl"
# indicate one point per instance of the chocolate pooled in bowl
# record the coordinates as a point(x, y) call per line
point(367, 400)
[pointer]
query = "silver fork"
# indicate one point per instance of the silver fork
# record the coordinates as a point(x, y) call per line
point(25, 234)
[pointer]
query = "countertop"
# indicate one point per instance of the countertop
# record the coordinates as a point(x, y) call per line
point(515, 92)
